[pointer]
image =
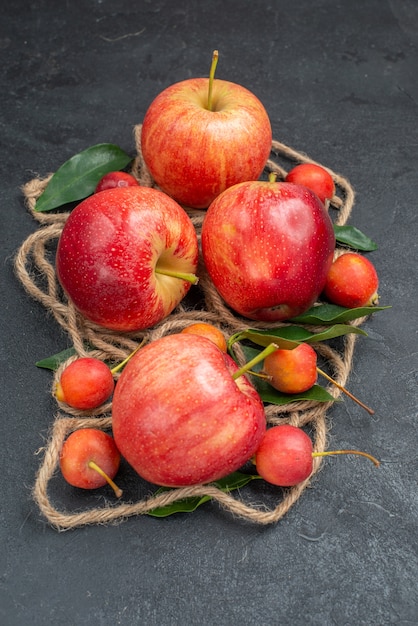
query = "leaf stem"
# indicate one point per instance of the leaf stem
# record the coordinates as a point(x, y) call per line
point(214, 63)
point(344, 390)
point(257, 359)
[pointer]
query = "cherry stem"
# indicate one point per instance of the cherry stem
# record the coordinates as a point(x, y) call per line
point(260, 375)
point(95, 467)
point(214, 63)
point(190, 278)
point(357, 452)
point(272, 347)
point(344, 390)
point(119, 366)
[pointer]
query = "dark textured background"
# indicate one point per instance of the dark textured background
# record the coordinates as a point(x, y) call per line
point(339, 81)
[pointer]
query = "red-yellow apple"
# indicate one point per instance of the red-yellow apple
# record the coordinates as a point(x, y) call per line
point(194, 153)
point(180, 418)
point(267, 247)
point(127, 256)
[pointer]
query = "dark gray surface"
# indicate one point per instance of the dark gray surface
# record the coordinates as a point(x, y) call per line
point(339, 81)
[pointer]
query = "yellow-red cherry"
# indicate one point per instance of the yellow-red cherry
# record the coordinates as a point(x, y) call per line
point(292, 370)
point(85, 383)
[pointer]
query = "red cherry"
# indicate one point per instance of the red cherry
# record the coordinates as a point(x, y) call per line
point(352, 281)
point(85, 384)
point(89, 459)
point(285, 455)
point(315, 177)
point(116, 179)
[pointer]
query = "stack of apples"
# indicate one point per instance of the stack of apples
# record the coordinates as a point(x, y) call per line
point(128, 255)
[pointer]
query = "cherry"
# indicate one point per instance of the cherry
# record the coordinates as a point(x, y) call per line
point(285, 456)
point(209, 331)
point(89, 459)
point(352, 281)
point(87, 382)
point(116, 179)
point(295, 371)
point(315, 177)
point(292, 371)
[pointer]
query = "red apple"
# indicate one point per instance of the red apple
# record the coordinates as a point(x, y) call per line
point(268, 247)
point(193, 151)
point(352, 281)
point(315, 177)
point(292, 371)
point(180, 418)
point(89, 459)
point(126, 257)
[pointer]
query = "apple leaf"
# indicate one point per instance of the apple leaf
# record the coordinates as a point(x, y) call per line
point(288, 337)
point(236, 480)
point(325, 314)
point(53, 362)
point(354, 238)
point(272, 396)
point(77, 178)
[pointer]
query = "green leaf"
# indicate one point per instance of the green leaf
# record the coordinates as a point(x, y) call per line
point(270, 395)
point(236, 480)
point(288, 337)
point(354, 238)
point(53, 362)
point(77, 178)
point(324, 314)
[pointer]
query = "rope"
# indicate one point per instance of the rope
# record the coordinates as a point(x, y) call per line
point(34, 267)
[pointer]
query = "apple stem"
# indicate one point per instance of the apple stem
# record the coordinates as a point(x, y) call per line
point(344, 390)
point(272, 177)
point(214, 63)
point(94, 466)
point(272, 347)
point(119, 366)
point(357, 452)
point(190, 278)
